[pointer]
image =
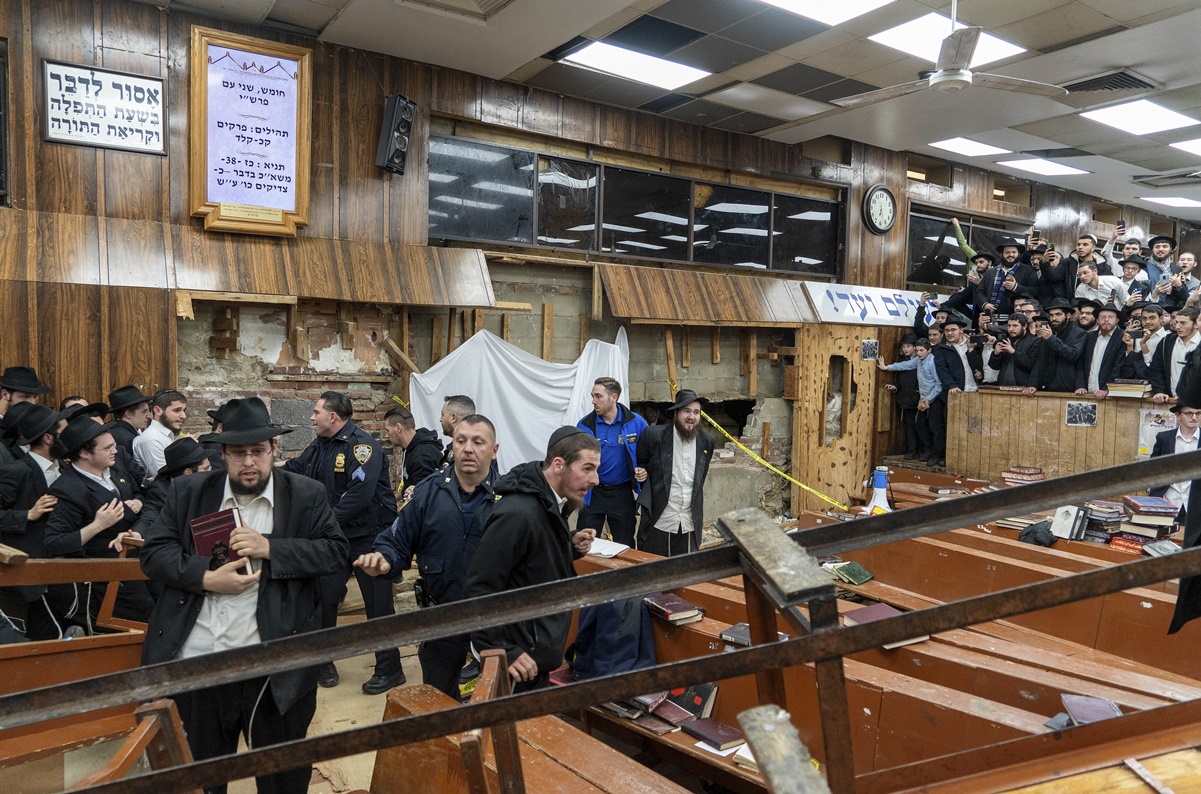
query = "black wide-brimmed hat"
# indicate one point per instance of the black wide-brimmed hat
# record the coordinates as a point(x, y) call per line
point(686, 397)
point(179, 455)
point(23, 379)
point(955, 318)
point(8, 425)
point(1082, 302)
point(80, 431)
point(1135, 259)
point(992, 260)
point(36, 422)
point(1182, 402)
point(1109, 307)
point(85, 409)
point(1159, 238)
point(126, 397)
point(246, 421)
point(1011, 243)
point(1059, 303)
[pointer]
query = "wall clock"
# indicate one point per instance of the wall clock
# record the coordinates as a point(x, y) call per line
point(879, 209)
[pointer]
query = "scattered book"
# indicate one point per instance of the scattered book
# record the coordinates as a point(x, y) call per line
point(649, 702)
point(1149, 505)
point(943, 490)
point(1124, 387)
point(1084, 709)
point(655, 725)
point(1059, 722)
point(746, 759)
point(1160, 548)
point(849, 572)
point(716, 734)
point(1020, 475)
point(697, 699)
point(606, 548)
point(623, 710)
point(1069, 522)
point(210, 535)
point(671, 713)
point(1144, 531)
point(673, 609)
point(879, 612)
point(1020, 522)
point(740, 634)
point(1152, 519)
point(562, 676)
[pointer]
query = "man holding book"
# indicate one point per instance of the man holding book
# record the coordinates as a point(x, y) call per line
point(286, 540)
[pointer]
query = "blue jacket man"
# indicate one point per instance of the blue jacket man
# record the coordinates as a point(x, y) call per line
point(618, 429)
point(442, 523)
point(353, 467)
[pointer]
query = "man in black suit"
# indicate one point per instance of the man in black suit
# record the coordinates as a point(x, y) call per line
point(1063, 345)
point(131, 415)
point(993, 294)
point(287, 540)
point(1018, 357)
point(675, 460)
point(1168, 360)
point(1102, 352)
point(96, 509)
point(19, 385)
point(1175, 442)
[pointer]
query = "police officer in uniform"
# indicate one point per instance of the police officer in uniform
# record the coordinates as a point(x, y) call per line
point(354, 470)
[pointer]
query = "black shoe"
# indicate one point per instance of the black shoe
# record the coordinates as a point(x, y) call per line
point(379, 684)
point(925, 457)
point(910, 456)
point(328, 677)
point(938, 463)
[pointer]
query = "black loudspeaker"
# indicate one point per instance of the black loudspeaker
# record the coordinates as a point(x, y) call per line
point(393, 148)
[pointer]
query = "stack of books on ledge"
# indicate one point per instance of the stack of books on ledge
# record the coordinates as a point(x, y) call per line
point(1020, 475)
point(1020, 522)
point(1120, 387)
point(1148, 518)
point(669, 710)
point(1104, 521)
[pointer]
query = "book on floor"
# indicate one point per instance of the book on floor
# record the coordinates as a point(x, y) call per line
point(210, 535)
point(1160, 548)
point(716, 734)
point(879, 612)
point(673, 609)
point(1084, 709)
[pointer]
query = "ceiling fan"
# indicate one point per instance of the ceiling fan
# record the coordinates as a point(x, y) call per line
point(951, 73)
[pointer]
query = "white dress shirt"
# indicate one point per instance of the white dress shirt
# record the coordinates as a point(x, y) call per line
point(1106, 286)
point(1178, 492)
point(1153, 342)
point(49, 467)
point(969, 377)
point(1094, 366)
point(231, 621)
point(149, 448)
point(1179, 352)
point(106, 480)
point(677, 515)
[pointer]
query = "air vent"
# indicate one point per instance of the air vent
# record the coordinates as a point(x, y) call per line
point(1058, 154)
point(1115, 81)
point(1180, 179)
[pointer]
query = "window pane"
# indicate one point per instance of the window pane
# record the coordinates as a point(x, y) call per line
point(731, 226)
point(934, 254)
point(984, 238)
point(806, 239)
point(645, 214)
point(480, 192)
point(567, 192)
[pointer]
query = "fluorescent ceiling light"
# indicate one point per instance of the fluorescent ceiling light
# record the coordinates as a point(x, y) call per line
point(436, 177)
point(1140, 117)
point(635, 66)
point(748, 232)
point(751, 264)
point(462, 202)
point(466, 152)
point(1173, 201)
point(501, 187)
point(1192, 147)
point(675, 238)
point(826, 12)
point(637, 244)
point(587, 227)
point(950, 272)
point(559, 178)
point(664, 217)
point(742, 209)
point(557, 240)
point(1041, 166)
point(613, 227)
point(804, 260)
point(811, 215)
point(922, 38)
point(968, 147)
point(438, 214)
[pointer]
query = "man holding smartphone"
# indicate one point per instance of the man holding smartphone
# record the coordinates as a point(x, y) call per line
point(1018, 356)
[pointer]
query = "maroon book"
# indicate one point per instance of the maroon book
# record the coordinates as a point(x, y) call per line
point(672, 713)
point(210, 534)
point(672, 608)
point(716, 734)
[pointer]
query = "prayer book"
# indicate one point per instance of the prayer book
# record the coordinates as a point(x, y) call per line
point(716, 734)
point(1084, 709)
point(745, 759)
point(740, 634)
point(673, 609)
point(697, 699)
point(879, 612)
point(210, 535)
point(606, 548)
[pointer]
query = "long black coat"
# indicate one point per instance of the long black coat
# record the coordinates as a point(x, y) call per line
point(79, 498)
point(655, 455)
point(1063, 363)
point(1114, 352)
point(306, 543)
point(21, 485)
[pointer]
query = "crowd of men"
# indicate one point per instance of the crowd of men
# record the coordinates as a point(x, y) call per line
point(75, 485)
point(1029, 319)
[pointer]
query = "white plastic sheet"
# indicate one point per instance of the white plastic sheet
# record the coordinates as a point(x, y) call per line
point(525, 397)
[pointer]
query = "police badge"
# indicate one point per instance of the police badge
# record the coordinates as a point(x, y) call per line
point(362, 453)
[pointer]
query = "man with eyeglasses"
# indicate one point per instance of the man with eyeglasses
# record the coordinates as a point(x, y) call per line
point(287, 540)
point(1176, 442)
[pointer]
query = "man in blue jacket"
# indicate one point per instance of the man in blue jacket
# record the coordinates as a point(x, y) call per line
point(617, 428)
point(442, 524)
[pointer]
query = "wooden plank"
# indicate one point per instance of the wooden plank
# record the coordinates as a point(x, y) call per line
point(347, 327)
point(504, 326)
point(452, 328)
point(784, 761)
point(585, 331)
point(685, 348)
point(548, 331)
point(478, 322)
point(716, 345)
point(513, 306)
point(598, 295)
point(237, 297)
point(11, 556)
point(752, 366)
point(670, 352)
point(742, 356)
point(436, 340)
point(399, 357)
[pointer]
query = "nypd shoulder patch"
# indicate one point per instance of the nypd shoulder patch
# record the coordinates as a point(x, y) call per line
point(362, 453)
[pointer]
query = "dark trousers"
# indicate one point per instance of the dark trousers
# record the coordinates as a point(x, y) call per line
point(612, 502)
point(925, 438)
point(667, 544)
point(213, 718)
point(913, 444)
point(937, 419)
point(377, 598)
point(62, 605)
point(442, 661)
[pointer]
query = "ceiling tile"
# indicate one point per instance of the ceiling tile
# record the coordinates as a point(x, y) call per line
point(653, 36)
point(772, 29)
point(902, 71)
point(532, 68)
point(822, 42)
point(843, 88)
point(797, 79)
point(626, 93)
point(618, 20)
point(303, 13)
point(748, 122)
point(1127, 11)
point(1077, 131)
point(766, 101)
point(665, 102)
point(1062, 24)
point(759, 67)
point(991, 15)
point(715, 54)
point(564, 79)
point(708, 15)
point(1160, 159)
point(706, 84)
point(700, 112)
point(856, 57)
point(885, 17)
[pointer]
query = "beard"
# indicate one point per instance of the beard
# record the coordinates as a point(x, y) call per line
point(236, 487)
point(686, 433)
point(58, 450)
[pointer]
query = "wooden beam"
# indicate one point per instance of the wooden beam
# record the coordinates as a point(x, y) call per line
point(685, 348)
point(399, 357)
point(406, 346)
point(225, 337)
point(716, 345)
point(742, 368)
point(236, 297)
point(347, 327)
point(452, 323)
point(11, 556)
point(225, 324)
point(512, 306)
point(478, 324)
point(598, 295)
point(436, 341)
point(183, 305)
point(765, 440)
point(710, 323)
point(585, 331)
point(298, 333)
point(752, 364)
point(670, 349)
point(504, 326)
point(548, 331)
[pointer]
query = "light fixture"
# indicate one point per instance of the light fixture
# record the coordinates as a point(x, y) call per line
point(828, 13)
point(741, 209)
point(664, 217)
point(560, 178)
point(748, 232)
point(462, 202)
point(810, 215)
point(1192, 147)
point(613, 227)
point(675, 238)
point(635, 66)
point(501, 187)
point(804, 260)
point(436, 177)
point(452, 149)
point(920, 176)
point(1173, 201)
point(637, 244)
point(557, 240)
point(1038, 165)
point(438, 214)
point(922, 38)
point(998, 193)
point(968, 147)
point(1140, 117)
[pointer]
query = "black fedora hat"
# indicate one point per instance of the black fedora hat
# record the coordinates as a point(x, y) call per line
point(1159, 238)
point(955, 318)
point(246, 421)
point(23, 379)
point(992, 260)
point(80, 431)
point(95, 410)
point(686, 397)
point(1059, 303)
point(36, 422)
point(126, 397)
point(1136, 259)
point(179, 455)
point(1082, 302)
point(8, 425)
point(1109, 307)
point(1011, 243)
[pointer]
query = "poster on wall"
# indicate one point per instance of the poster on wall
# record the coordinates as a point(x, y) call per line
point(1151, 422)
point(89, 106)
point(855, 305)
point(250, 121)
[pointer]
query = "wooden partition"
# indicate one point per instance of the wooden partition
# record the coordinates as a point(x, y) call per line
point(987, 432)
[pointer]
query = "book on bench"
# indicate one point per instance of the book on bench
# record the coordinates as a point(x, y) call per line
point(716, 734)
point(673, 609)
point(879, 612)
point(746, 759)
point(1084, 709)
point(697, 699)
point(740, 634)
point(210, 535)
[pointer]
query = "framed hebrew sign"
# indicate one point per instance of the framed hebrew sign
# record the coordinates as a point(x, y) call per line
point(251, 107)
point(99, 107)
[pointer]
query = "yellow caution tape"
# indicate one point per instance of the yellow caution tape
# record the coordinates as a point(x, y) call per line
point(400, 401)
point(769, 467)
